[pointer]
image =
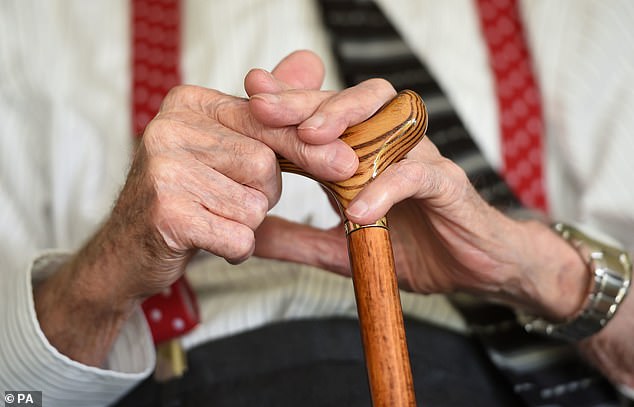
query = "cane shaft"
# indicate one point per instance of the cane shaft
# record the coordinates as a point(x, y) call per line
point(378, 142)
point(380, 318)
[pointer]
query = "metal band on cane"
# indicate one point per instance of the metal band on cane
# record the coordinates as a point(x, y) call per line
point(350, 227)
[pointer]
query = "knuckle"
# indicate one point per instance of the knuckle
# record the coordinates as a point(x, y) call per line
point(263, 162)
point(177, 92)
point(174, 97)
point(191, 97)
point(227, 109)
point(380, 86)
point(258, 207)
point(409, 172)
point(160, 134)
point(458, 178)
point(420, 178)
point(178, 95)
point(153, 131)
point(242, 245)
point(265, 179)
point(441, 178)
point(455, 171)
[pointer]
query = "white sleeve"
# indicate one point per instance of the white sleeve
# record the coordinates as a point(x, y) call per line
point(627, 392)
point(62, 163)
point(29, 362)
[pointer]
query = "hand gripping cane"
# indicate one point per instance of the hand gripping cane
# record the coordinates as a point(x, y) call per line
point(381, 140)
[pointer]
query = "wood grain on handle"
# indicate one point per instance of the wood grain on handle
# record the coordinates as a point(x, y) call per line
point(378, 142)
point(381, 140)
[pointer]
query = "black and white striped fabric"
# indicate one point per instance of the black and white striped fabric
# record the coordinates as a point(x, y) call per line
point(367, 46)
point(543, 372)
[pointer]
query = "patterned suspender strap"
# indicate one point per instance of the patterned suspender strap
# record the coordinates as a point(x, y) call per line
point(155, 57)
point(521, 119)
point(540, 370)
point(155, 70)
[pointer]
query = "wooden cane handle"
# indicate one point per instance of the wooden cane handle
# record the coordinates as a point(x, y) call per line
point(378, 142)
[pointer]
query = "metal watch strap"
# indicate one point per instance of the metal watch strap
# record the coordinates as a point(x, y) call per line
point(611, 270)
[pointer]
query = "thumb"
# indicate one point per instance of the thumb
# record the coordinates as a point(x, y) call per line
point(298, 70)
point(301, 70)
point(280, 239)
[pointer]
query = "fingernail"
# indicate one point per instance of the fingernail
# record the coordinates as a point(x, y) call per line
point(267, 98)
point(343, 160)
point(312, 123)
point(357, 209)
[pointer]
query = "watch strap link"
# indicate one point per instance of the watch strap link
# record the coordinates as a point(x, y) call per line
point(611, 270)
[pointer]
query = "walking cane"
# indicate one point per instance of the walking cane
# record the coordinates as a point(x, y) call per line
point(378, 142)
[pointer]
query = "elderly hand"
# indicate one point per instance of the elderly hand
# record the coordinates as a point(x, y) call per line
point(446, 238)
point(203, 177)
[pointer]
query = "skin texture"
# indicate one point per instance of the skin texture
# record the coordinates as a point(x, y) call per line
point(205, 175)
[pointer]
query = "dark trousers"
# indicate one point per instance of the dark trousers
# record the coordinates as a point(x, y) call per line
point(319, 362)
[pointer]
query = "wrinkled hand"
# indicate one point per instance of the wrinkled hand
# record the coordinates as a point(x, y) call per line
point(435, 218)
point(206, 174)
point(203, 177)
point(446, 237)
point(443, 200)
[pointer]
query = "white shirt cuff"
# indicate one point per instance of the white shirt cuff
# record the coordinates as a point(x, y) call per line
point(627, 392)
point(29, 362)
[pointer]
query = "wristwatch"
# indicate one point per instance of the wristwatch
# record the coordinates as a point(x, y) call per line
point(611, 270)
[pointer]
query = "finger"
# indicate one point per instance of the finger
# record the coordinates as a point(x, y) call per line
point(223, 237)
point(347, 108)
point(331, 162)
point(429, 177)
point(218, 150)
point(287, 108)
point(280, 239)
point(299, 70)
point(322, 116)
point(178, 183)
point(184, 224)
point(261, 81)
point(203, 209)
point(334, 161)
point(224, 197)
